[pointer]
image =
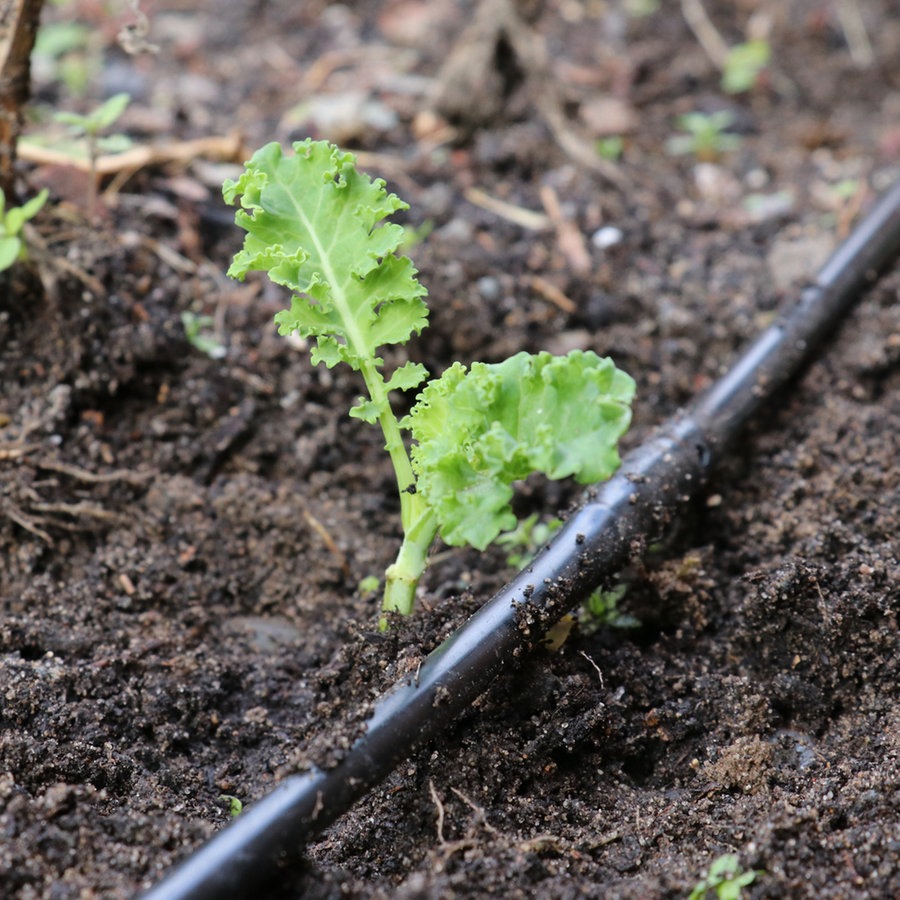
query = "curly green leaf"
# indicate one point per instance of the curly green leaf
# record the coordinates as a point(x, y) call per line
point(476, 433)
point(315, 225)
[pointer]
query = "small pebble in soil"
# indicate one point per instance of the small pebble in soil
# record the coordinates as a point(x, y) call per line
point(607, 236)
point(489, 287)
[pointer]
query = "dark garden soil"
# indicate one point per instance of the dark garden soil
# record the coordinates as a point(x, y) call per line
point(182, 536)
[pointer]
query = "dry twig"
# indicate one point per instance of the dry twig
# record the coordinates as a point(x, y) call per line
point(854, 29)
point(79, 474)
point(569, 238)
point(706, 33)
point(440, 812)
point(228, 149)
point(552, 294)
point(525, 218)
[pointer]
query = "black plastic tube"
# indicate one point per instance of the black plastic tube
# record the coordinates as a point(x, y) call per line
point(615, 522)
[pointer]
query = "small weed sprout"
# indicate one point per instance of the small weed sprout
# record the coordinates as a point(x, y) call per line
point(91, 127)
point(198, 331)
point(725, 880)
point(368, 585)
point(601, 610)
point(235, 805)
point(69, 53)
point(706, 135)
point(638, 9)
point(611, 147)
point(526, 539)
point(12, 220)
point(744, 64)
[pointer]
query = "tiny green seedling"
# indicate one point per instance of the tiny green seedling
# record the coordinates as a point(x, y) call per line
point(12, 220)
point(611, 147)
point(744, 64)
point(91, 127)
point(235, 804)
point(526, 539)
point(601, 610)
point(725, 880)
point(316, 225)
point(200, 334)
point(706, 136)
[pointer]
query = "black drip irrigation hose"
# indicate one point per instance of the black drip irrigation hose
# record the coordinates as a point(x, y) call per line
point(652, 487)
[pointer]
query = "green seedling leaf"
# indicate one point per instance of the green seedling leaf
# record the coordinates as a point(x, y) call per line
point(313, 223)
point(108, 113)
point(476, 433)
point(744, 64)
point(19, 215)
point(369, 584)
point(58, 38)
point(235, 804)
point(706, 136)
point(198, 331)
point(114, 143)
point(98, 119)
point(611, 147)
point(602, 609)
point(33, 206)
point(10, 248)
point(526, 538)
point(12, 221)
point(725, 879)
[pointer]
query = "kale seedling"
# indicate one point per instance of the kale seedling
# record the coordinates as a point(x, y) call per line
point(316, 225)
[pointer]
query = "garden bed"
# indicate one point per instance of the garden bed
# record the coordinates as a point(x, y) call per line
point(182, 537)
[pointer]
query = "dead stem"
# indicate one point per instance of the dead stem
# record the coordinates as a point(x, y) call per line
point(480, 815)
point(440, 812)
point(328, 540)
point(79, 510)
point(27, 522)
point(706, 33)
point(854, 29)
point(124, 475)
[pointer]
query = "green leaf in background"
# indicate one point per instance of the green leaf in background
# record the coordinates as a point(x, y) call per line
point(10, 247)
point(98, 119)
point(743, 65)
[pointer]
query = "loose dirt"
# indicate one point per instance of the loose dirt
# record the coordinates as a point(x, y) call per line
point(182, 536)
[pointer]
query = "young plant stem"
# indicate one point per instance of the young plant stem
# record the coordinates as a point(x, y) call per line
point(93, 176)
point(403, 575)
point(419, 523)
